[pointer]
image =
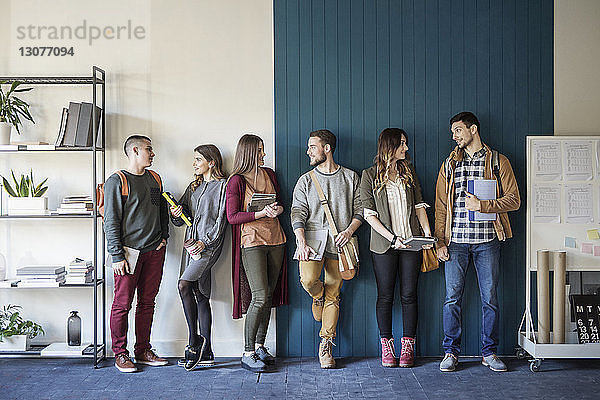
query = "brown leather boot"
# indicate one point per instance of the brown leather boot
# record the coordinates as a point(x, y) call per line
point(123, 363)
point(326, 353)
point(148, 357)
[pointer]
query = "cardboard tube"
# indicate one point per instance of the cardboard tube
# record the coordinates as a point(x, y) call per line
point(543, 302)
point(558, 307)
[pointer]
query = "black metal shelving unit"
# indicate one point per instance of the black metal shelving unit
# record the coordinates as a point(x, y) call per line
point(98, 84)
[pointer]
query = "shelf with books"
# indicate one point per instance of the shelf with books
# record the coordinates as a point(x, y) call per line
point(63, 216)
point(82, 130)
point(100, 281)
point(38, 351)
point(10, 148)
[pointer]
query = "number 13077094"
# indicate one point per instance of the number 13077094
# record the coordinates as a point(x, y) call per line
point(46, 51)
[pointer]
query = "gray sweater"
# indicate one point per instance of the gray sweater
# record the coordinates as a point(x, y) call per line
point(206, 205)
point(341, 188)
point(139, 222)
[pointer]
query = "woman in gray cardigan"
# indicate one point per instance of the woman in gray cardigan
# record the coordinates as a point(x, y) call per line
point(204, 201)
point(393, 205)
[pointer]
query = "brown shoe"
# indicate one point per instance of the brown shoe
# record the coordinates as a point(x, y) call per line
point(123, 363)
point(148, 357)
point(326, 353)
point(317, 308)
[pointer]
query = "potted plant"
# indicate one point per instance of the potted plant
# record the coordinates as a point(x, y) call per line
point(12, 109)
point(15, 332)
point(26, 197)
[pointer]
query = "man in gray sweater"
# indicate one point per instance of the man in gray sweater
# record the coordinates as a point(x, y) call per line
point(135, 218)
point(341, 188)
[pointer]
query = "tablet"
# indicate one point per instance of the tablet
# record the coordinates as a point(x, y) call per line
point(417, 242)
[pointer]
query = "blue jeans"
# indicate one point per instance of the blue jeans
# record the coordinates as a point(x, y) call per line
point(486, 258)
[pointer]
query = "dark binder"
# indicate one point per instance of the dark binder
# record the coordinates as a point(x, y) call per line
point(85, 129)
point(71, 131)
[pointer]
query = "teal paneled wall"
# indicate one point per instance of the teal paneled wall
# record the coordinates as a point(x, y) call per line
point(358, 66)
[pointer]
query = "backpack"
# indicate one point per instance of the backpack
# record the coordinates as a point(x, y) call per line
point(124, 189)
point(495, 170)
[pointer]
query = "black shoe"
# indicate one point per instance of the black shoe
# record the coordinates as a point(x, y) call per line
point(263, 353)
point(193, 355)
point(181, 362)
point(253, 363)
point(207, 359)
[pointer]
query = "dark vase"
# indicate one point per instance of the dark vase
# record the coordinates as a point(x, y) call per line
point(74, 329)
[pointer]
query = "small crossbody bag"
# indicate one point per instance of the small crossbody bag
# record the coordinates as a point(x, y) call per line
point(347, 254)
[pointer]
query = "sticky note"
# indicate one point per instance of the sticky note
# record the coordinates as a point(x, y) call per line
point(597, 251)
point(570, 242)
point(593, 234)
point(587, 248)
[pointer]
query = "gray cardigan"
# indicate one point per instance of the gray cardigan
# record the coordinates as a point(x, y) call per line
point(378, 201)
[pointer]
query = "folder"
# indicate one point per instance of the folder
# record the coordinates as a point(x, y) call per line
point(71, 129)
point(483, 189)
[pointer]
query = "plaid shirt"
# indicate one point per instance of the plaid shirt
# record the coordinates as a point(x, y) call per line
point(463, 230)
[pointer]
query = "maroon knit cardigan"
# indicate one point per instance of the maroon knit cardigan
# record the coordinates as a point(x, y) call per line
point(235, 192)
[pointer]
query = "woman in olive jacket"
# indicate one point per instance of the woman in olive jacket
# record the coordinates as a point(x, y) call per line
point(393, 205)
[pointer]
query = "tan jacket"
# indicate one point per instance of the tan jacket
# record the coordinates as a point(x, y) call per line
point(444, 196)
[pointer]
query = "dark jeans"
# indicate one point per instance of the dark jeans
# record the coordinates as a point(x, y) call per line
point(387, 267)
point(262, 265)
point(146, 279)
point(486, 258)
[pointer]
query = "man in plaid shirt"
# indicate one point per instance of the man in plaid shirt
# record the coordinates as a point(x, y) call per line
point(460, 240)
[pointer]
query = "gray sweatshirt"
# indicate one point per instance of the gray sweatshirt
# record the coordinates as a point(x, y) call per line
point(141, 222)
point(341, 188)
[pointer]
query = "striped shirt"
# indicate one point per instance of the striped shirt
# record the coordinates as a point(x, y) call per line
point(463, 230)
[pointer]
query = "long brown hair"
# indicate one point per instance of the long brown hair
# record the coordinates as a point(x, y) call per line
point(210, 152)
point(387, 144)
point(246, 154)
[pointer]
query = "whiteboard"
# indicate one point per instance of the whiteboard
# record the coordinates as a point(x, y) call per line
point(563, 177)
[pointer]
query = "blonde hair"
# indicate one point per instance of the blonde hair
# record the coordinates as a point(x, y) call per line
point(387, 144)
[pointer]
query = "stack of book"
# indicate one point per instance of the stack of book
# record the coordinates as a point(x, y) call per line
point(260, 200)
point(76, 205)
point(41, 275)
point(79, 272)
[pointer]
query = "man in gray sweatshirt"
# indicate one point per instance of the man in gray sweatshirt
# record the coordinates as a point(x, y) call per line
point(341, 188)
point(135, 217)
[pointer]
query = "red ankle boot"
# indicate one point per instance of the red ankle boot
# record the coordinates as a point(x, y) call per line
point(407, 355)
point(388, 354)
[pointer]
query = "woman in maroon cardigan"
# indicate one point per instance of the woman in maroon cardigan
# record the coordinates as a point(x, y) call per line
point(259, 271)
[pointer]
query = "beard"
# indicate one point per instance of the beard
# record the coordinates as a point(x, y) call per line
point(318, 160)
point(465, 142)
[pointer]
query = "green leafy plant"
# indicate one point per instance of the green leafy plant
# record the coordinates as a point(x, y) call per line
point(12, 324)
point(12, 108)
point(24, 187)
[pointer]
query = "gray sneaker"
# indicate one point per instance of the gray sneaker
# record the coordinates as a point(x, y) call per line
point(494, 363)
point(449, 363)
point(263, 353)
point(253, 363)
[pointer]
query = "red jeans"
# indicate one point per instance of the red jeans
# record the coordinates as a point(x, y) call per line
point(146, 279)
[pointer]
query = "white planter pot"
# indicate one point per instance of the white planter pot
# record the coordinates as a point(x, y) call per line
point(5, 129)
point(15, 343)
point(27, 205)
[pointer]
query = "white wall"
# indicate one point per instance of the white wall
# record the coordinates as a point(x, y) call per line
point(202, 74)
point(577, 67)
